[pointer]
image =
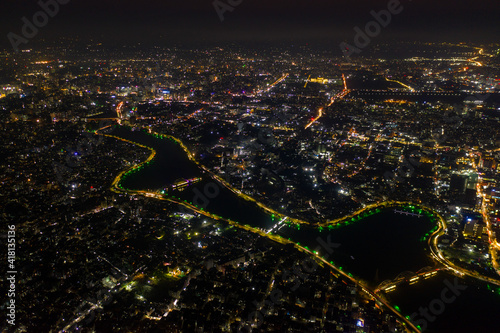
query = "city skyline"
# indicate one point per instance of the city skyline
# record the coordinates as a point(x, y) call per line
point(244, 166)
point(159, 22)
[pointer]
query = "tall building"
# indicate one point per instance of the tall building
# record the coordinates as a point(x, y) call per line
point(470, 226)
point(458, 184)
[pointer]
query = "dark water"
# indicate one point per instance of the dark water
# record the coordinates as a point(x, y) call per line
point(171, 163)
point(474, 309)
point(373, 249)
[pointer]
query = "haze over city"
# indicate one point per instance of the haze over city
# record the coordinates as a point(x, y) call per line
point(250, 166)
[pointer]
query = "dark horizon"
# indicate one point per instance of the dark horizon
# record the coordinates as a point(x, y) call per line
point(163, 23)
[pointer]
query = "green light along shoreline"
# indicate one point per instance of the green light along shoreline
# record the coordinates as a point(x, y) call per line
point(356, 216)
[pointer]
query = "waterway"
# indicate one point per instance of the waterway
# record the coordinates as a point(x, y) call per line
point(474, 309)
point(171, 163)
point(373, 249)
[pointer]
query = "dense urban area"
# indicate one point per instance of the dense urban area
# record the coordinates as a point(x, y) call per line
point(303, 136)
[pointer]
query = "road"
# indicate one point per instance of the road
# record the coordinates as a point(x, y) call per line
point(494, 246)
point(401, 83)
point(432, 242)
point(339, 96)
point(272, 85)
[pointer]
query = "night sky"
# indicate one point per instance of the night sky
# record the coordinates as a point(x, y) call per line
point(256, 20)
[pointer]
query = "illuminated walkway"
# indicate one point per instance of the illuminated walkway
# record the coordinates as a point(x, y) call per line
point(358, 215)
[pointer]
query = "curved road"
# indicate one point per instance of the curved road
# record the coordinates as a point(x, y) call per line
point(432, 242)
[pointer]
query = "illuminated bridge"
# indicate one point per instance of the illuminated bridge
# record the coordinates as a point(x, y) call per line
point(417, 95)
point(407, 277)
point(407, 213)
point(181, 184)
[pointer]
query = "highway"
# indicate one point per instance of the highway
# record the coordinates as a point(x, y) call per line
point(339, 96)
point(370, 209)
point(494, 246)
point(116, 188)
point(271, 86)
point(438, 256)
point(401, 83)
point(119, 110)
